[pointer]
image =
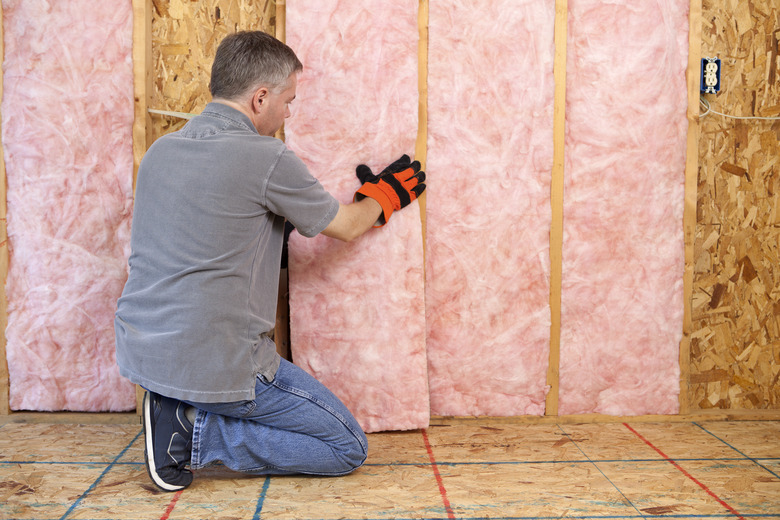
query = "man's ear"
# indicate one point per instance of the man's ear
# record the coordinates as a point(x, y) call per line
point(259, 98)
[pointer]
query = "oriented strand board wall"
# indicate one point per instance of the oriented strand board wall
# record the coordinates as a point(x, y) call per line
point(185, 35)
point(735, 344)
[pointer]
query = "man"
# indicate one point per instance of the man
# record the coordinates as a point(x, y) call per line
point(193, 322)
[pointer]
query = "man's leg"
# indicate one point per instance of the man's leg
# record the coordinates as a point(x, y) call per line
point(294, 425)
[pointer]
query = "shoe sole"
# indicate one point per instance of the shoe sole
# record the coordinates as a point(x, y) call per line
point(149, 448)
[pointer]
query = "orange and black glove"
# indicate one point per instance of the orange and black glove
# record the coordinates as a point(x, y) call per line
point(395, 188)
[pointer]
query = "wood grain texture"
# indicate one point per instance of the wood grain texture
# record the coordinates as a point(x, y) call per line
point(735, 302)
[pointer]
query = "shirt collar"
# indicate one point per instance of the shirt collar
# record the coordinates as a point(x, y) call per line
point(227, 112)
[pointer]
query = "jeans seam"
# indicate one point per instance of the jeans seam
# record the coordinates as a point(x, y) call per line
point(196, 432)
point(325, 407)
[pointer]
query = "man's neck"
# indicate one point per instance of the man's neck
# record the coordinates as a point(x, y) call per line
point(233, 104)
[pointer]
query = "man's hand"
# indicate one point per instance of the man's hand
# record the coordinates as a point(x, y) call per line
point(395, 188)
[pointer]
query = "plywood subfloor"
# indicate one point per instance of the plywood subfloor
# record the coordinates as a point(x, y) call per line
point(455, 469)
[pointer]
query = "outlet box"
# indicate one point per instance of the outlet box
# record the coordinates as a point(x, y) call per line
point(710, 75)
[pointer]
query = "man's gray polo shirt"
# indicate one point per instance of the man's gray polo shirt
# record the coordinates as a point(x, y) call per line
point(206, 244)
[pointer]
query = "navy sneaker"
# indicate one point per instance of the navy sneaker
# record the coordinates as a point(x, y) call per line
point(168, 446)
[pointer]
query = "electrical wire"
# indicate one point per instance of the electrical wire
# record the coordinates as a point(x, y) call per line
point(706, 104)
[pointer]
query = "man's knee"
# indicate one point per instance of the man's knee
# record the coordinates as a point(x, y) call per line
point(354, 455)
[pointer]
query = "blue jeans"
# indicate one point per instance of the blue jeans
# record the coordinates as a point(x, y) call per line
point(294, 425)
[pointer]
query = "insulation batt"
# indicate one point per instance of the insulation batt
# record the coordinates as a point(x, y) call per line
point(67, 116)
point(490, 148)
point(357, 314)
point(622, 300)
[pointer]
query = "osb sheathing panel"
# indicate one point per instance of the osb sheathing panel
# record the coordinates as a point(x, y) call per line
point(185, 35)
point(735, 344)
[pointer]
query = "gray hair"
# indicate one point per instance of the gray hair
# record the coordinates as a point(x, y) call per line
point(247, 60)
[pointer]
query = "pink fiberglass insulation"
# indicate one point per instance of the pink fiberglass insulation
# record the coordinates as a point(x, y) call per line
point(622, 301)
point(67, 116)
point(490, 148)
point(357, 314)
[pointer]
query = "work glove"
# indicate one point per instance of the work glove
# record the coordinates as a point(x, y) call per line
point(395, 188)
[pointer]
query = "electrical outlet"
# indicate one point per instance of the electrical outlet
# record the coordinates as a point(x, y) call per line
point(710, 75)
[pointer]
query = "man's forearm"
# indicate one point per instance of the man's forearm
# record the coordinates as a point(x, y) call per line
point(352, 220)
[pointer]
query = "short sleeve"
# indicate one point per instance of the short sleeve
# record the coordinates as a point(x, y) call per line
point(292, 192)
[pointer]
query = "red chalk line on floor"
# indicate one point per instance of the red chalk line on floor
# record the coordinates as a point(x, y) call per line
point(439, 481)
point(171, 505)
point(673, 463)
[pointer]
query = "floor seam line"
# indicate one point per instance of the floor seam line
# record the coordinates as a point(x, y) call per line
point(641, 515)
point(747, 457)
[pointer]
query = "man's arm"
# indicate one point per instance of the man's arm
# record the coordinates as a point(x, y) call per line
point(352, 220)
point(380, 195)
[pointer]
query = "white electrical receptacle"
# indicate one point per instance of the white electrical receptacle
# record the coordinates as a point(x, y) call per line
point(710, 75)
